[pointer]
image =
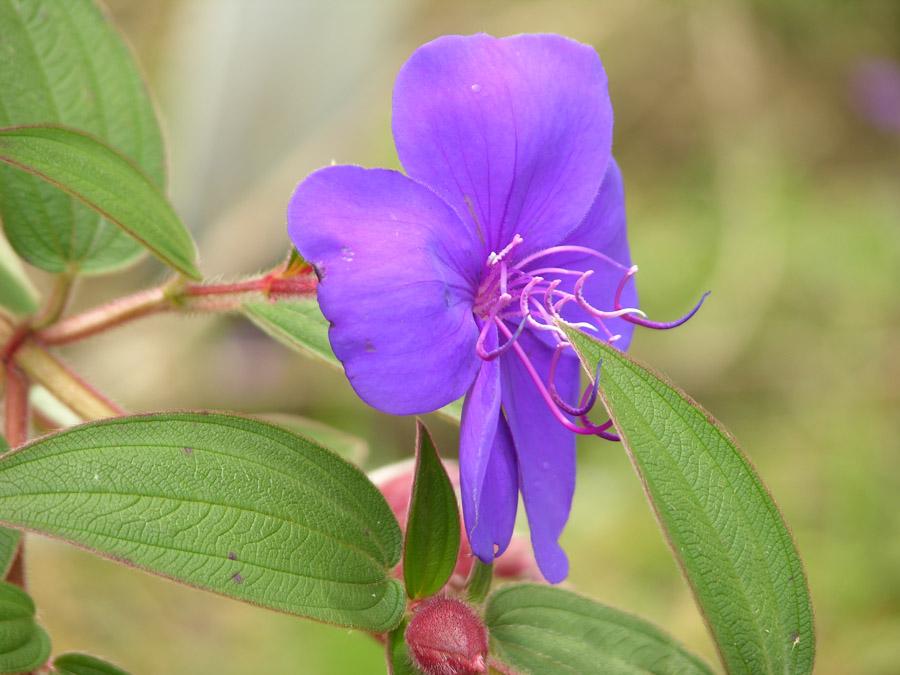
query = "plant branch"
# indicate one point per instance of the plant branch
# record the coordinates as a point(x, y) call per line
point(56, 301)
point(63, 383)
point(15, 427)
point(176, 296)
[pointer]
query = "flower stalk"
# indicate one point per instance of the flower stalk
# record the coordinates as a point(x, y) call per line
point(176, 296)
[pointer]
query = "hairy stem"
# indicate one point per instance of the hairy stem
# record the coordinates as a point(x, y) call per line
point(174, 296)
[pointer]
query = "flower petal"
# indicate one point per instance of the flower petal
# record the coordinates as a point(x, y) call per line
point(514, 133)
point(397, 278)
point(488, 478)
point(544, 448)
point(603, 230)
point(499, 497)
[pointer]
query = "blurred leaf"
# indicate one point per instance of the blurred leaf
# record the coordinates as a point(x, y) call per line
point(24, 645)
point(479, 582)
point(9, 539)
point(64, 63)
point(108, 182)
point(398, 660)
point(542, 630)
point(352, 448)
point(226, 504)
point(300, 325)
point(432, 529)
point(84, 664)
point(16, 291)
point(722, 525)
point(9, 544)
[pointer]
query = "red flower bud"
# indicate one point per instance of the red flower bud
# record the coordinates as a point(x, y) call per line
point(445, 637)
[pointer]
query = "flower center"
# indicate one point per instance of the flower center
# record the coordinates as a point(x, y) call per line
point(531, 294)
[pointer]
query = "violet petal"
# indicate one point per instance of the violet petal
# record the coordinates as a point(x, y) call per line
point(603, 230)
point(398, 273)
point(515, 132)
point(544, 448)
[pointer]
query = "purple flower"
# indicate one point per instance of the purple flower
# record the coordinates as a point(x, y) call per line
point(445, 282)
point(875, 85)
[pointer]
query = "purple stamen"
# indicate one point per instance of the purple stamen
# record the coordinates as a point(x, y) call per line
point(568, 249)
point(587, 430)
point(496, 303)
point(656, 325)
point(599, 313)
point(590, 393)
point(494, 353)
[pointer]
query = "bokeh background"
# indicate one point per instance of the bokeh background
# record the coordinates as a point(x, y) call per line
point(760, 144)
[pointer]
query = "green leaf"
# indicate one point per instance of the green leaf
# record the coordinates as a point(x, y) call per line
point(479, 581)
point(24, 646)
point(64, 63)
point(9, 539)
point(108, 182)
point(432, 529)
point(541, 630)
point(722, 525)
point(352, 448)
point(230, 505)
point(300, 325)
point(17, 294)
point(84, 664)
point(9, 545)
point(398, 660)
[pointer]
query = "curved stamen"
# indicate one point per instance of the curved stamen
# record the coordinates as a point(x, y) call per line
point(656, 325)
point(494, 353)
point(550, 319)
point(590, 309)
point(601, 429)
point(588, 430)
point(568, 249)
point(588, 399)
point(524, 298)
point(555, 270)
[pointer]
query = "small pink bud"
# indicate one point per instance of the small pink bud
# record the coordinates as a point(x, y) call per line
point(445, 637)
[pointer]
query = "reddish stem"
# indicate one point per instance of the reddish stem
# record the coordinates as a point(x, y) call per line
point(98, 319)
point(16, 408)
point(192, 297)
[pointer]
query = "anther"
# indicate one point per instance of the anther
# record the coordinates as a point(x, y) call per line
point(494, 258)
point(639, 321)
point(599, 313)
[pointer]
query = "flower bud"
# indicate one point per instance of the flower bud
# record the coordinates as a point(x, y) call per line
point(445, 637)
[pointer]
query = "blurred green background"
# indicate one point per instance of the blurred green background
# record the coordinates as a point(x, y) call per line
point(751, 169)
